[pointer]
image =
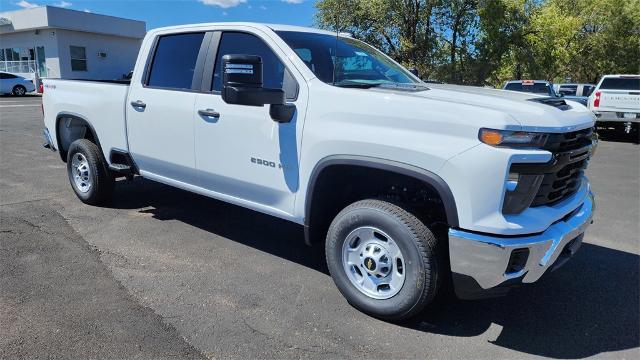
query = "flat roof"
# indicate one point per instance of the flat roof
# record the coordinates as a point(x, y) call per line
point(51, 17)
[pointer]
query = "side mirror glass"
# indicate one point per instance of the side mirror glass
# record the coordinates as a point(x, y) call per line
point(242, 82)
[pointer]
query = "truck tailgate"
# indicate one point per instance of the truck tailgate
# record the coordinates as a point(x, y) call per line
point(619, 100)
point(101, 104)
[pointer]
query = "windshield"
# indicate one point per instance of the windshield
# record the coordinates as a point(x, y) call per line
point(356, 64)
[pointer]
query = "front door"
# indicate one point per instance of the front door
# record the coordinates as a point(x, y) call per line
point(160, 110)
point(242, 153)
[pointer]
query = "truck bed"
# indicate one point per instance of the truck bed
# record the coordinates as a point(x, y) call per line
point(99, 103)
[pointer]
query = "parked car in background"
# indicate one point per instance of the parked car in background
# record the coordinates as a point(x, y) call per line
point(540, 87)
point(616, 102)
point(575, 92)
point(15, 84)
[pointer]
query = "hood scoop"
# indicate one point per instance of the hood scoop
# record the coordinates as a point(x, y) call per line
point(551, 101)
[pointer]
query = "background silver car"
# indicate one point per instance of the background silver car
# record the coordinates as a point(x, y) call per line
point(15, 84)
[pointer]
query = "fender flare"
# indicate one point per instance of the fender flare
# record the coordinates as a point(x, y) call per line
point(423, 175)
point(65, 115)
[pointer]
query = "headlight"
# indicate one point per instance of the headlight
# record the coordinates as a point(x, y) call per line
point(508, 138)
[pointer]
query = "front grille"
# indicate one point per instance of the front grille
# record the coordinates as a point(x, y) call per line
point(569, 141)
point(562, 175)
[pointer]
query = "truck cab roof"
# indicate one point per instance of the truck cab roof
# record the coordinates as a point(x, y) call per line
point(263, 26)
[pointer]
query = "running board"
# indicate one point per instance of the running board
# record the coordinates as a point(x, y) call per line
point(122, 163)
point(121, 169)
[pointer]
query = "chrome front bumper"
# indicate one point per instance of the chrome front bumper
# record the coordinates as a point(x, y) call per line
point(482, 262)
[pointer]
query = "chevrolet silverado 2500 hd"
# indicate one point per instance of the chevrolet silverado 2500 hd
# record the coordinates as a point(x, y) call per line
point(407, 185)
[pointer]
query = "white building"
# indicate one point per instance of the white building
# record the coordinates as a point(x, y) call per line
point(62, 43)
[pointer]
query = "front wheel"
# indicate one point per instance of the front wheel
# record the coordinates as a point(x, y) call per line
point(89, 173)
point(383, 259)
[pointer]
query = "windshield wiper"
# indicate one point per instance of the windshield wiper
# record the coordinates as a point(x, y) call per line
point(358, 85)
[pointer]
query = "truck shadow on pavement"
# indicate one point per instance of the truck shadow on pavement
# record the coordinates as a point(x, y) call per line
point(588, 307)
point(618, 136)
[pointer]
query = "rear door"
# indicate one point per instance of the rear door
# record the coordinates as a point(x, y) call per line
point(242, 155)
point(160, 108)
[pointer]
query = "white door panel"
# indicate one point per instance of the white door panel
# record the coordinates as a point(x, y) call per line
point(161, 134)
point(245, 154)
point(160, 115)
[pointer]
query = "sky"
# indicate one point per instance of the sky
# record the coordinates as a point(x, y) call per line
point(158, 13)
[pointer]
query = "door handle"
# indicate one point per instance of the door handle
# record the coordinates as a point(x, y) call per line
point(138, 104)
point(209, 113)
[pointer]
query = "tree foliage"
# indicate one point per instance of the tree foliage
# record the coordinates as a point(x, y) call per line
point(484, 42)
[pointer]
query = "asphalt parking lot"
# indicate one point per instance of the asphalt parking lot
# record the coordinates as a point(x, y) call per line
point(163, 273)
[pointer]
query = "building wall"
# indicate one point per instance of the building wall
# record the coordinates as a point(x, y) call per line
point(29, 39)
point(121, 54)
point(56, 29)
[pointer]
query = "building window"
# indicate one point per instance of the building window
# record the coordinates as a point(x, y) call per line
point(78, 58)
point(17, 60)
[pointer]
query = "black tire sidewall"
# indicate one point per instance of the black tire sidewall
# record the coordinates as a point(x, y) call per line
point(415, 284)
point(101, 181)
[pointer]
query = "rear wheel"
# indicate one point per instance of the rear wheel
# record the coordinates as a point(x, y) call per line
point(89, 173)
point(383, 259)
point(19, 90)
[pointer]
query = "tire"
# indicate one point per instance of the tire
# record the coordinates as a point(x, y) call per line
point(421, 265)
point(19, 90)
point(89, 173)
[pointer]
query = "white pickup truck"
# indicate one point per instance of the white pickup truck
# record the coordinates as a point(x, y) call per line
point(616, 102)
point(408, 186)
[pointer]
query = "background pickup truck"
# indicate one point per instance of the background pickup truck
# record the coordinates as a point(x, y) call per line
point(409, 187)
point(616, 102)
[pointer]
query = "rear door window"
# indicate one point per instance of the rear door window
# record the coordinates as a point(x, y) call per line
point(174, 61)
point(628, 83)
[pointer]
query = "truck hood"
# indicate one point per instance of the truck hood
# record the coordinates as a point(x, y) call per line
point(525, 109)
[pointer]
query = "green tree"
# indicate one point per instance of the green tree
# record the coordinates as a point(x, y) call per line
point(401, 28)
point(490, 41)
